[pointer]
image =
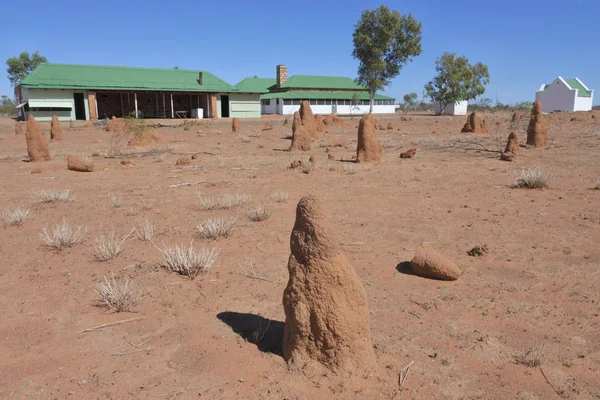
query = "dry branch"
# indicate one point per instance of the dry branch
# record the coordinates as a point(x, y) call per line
point(99, 327)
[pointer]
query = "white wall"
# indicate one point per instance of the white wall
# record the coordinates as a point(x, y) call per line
point(341, 109)
point(271, 108)
point(244, 105)
point(458, 108)
point(583, 103)
point(557, 97)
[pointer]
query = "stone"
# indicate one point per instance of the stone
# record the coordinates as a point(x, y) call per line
point(368, 148)
point(410, 153)
point(390, 126)
point(325, 304)
point(512, 147)
point(474, 124)
point(537, 131)
point(429, 263)
point(127, 162)
point(37, 145)
point(183, 161)
point(76, 163)
point(21, 128)
point(56, 132)
point(267, 127)
point(194, 156)
point(235, 125)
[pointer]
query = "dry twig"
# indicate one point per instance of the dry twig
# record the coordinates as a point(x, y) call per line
point(99, 327)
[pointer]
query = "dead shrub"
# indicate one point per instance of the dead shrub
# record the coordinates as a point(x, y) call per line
point(53, 196)
point(533, 358)
point(532, 178)
point(109, 246)
point(63, 235)
point(15, 217)
point(213, 228)
point(260, 213)
point(118, 294)
point(185, 261)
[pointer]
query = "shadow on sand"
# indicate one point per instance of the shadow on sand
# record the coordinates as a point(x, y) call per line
point(266, 334)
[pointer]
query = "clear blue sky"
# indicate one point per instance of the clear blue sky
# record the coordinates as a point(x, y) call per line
point(524, 43)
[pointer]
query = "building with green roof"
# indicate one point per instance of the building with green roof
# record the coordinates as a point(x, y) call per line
point(326, 94)
point(565, 95)
point(89, 92)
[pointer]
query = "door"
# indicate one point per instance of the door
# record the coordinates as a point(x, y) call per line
point(224, 106)
point(334, 108)
point(79, 106)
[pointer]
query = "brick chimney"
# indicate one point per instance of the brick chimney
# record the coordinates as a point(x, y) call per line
point(281, 75)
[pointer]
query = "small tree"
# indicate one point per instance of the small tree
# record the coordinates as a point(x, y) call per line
point(384, 40)
point(457, 80)
point(7, 106)
point(410, 102)
point(20, 67)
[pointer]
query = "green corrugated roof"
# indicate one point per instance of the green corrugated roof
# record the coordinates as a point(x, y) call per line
point(581, 91)
point(321, 95)
point(321, 82)
point(255, 85)
point(69, 76)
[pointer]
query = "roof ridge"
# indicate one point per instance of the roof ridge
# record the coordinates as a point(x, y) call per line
point(120, 67)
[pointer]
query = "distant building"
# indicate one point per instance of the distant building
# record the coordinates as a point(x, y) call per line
point(565, 95)
point(326, 94)
point(457, 108)
point(90, 92)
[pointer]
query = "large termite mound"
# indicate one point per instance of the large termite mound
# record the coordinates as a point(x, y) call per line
point(325, 304)
point(56, 132)
point(537, 131)
point(301, 139)
point(475, 124)
point(37, 145)
point(512, 147)
point(368, 148)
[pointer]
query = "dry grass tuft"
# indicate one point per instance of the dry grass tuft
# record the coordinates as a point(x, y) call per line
point(118, 294)
point(115, 201)
point(532, 178)
point(597, 187)
point(15, 217)
point(186, 261)
point(351, 168)
point(387, 142)
point(213, 228)
point(145, 231)
point(63, 235)
point(233, 200)
point(280, 197)
point(53, 196)
point(533, 358)
point(260, 213)
point(109, 246)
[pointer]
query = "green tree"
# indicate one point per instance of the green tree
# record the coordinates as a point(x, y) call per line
point(21, 66)
point(7, 106)
point(384, 41)
point(457, 80)
point(410, 102)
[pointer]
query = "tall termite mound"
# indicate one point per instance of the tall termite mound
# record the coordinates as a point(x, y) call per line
point(325, 304)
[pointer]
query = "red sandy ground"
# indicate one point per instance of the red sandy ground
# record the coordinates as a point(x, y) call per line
point(539, 285)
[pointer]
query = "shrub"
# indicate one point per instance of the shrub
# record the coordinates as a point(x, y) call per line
point(145, 231)
point(15, 217)
point(213, 228)
point(260, 213)
point(232, 200)
point(63, 236)
point(186, 261)
point(108, 247)
point(532, 178)
point(115, 201)
point(53, 196)
point(118, 294)
point(280, 197)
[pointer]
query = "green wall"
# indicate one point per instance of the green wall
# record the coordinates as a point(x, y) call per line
point(53, 97)
point(244, 105)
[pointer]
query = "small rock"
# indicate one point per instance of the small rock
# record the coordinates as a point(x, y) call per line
point(183, 161)
point(79, 164)
point(410, 153)
point(127, 162)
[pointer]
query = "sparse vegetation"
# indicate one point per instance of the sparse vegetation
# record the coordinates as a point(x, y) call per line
point(280, 197)
point(15, 217)
point(351, 168)
point(260, 213)
point(532, 178)
point(533, 358)
point(213, 228)
point(147, 205)
point(233, 200)
point(145, 231)
point(244, 138)
point(185, 261)
point(115, 201)
point(53, 196)
point(597, 187)
point(108, 246)
point(386, 142)
point(63, 235)
point(118, 294)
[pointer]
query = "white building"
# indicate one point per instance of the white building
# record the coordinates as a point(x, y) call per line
point(326, 94)
point(565, 95)
point(457, 108)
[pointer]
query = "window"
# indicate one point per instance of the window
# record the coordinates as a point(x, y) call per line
point(49, 109)
point(266, 102)
point(277, 101)
point(328, 102)
point(320, 102)
point(296, 102)
point(287, 102)
point(313, 102)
